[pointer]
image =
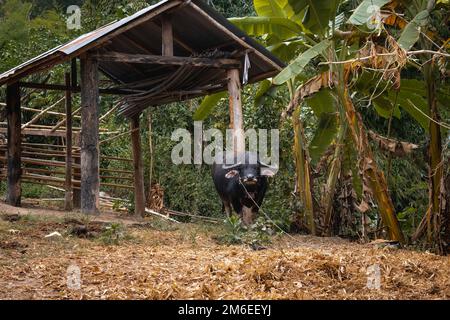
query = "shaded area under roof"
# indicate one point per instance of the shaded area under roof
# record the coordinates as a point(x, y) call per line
point(198, 30)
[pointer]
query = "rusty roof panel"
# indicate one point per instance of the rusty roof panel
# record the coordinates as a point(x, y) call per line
point(197, 28)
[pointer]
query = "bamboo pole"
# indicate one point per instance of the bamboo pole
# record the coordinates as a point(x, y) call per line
point(49, 112)
point(53, 172)
point(110, 111)
point(118, 136)
point(57, 153)
point(75, 183)
point(68, 182)
point(63, 121)
point(42, 113)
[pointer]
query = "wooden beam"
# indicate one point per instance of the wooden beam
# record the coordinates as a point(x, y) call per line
point(61, 87)
point(38, 132)
point(58, 58)
point(236, 116)
point(68, 195)
point(169, 61)
point(139, 194)
point(90, 150)
point(14, 155)
point(242, 42)
point(167, 36)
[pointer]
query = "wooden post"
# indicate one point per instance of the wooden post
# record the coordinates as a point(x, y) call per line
point(167, 36)
point(90, 149)
point(236, 116)
point(76, 193)
point(139, 188)
point(14, 144)
point(68, 197)
point(150, 148)
point(74, 73)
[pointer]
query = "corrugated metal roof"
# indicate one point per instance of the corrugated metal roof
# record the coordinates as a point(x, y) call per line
point(195, 31)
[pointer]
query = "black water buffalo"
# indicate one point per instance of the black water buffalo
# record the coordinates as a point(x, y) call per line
point(242, 185)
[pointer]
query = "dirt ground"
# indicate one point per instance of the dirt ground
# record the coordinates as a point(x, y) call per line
point(158, 260)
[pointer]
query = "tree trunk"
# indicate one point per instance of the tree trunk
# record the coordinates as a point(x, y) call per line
point(435, 159)
point(375, 179)
point(303, 172)
point(330, 187)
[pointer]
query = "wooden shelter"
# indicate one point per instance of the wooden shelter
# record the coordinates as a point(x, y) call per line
point(172, 51)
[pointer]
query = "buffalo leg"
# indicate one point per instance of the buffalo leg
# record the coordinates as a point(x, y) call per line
point(227, 208)
point(248, 215)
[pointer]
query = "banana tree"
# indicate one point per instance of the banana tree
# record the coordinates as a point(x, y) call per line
point(281, 31)
point(321, 32)
point(311, 31)
point(419, 34)
point(296, 31)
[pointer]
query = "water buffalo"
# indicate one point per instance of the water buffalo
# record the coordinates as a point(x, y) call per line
point(242, 186)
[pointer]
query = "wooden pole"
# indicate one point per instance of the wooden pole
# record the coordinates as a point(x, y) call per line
point(167, 36)
point(14, 144)
point(150, 146)
point(76, 194)
point(139, 195)
point(90, 149)
point(236, 116)
point(68, 196)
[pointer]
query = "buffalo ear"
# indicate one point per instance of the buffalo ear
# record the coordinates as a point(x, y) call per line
point(231, 174)
point(267, 172)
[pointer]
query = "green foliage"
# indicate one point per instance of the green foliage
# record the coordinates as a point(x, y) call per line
point(324, 135)
point(362, 13)
point(207, 105)
point(113, 234)
point(316, 14)
point(233, 8)
point(292, 30)
point(256, 235)
point(299, 64)
point(269, 8)
point(411, 33)
point(259, 26)
point(14, 24)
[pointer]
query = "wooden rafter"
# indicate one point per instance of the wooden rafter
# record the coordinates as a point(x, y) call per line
point(168, 60)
